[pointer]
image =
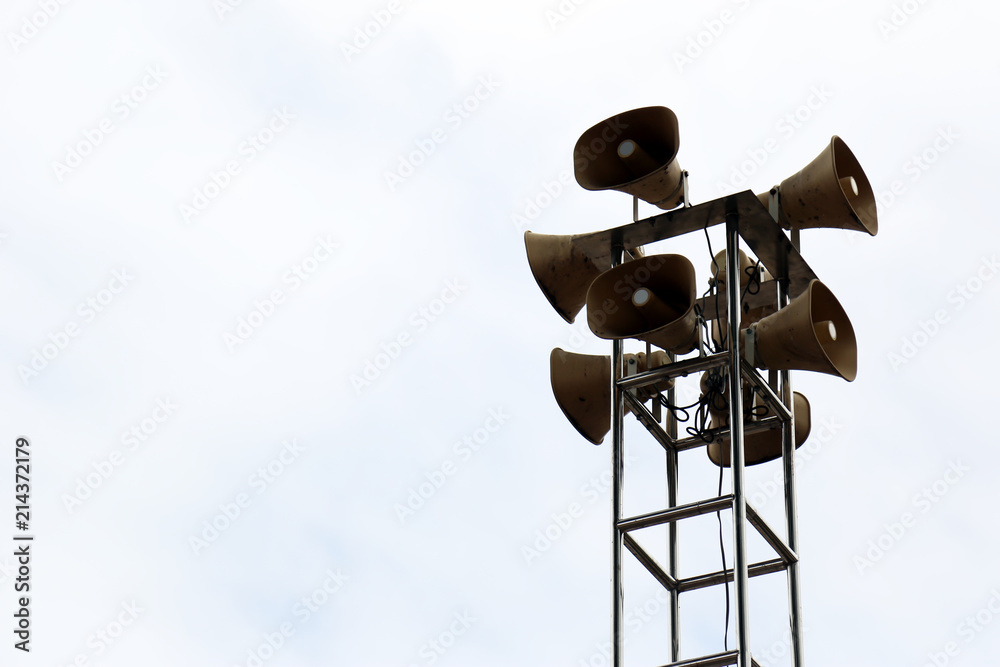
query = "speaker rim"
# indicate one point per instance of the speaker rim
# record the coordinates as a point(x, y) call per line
point(841, 154)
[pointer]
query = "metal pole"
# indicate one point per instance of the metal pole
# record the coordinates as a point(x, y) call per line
point(617, 482)
point(791, 512)
point(740, 566)
point(672, 565)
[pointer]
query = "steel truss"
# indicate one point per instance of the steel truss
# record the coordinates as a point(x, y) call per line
point(747, 220)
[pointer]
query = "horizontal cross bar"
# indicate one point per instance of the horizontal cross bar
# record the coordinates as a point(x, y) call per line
point(676, 514)
point(716, 578)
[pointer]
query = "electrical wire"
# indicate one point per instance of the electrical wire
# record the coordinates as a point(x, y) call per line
point(722, 548)
point(752, 287)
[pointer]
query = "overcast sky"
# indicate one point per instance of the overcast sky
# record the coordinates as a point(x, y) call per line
point(271, 333)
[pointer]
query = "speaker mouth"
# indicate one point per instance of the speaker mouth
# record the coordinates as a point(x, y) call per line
point(798, 337)
point(665, 317)
point(842, 352)
point(862, 203)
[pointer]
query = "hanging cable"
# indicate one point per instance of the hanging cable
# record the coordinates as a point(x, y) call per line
point(714, 287)
point(713, 398)
point(680, 412)
point(722, 549)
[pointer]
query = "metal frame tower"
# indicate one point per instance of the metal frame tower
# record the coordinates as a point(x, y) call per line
point(746, 220)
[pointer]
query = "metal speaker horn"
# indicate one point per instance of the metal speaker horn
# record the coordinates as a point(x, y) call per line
point(812, 333)
point(720, 262)
point(762, 446)
point(651, 299)
point(562, 271)
point(581, 384)
point(830, 191)
point(633, 152)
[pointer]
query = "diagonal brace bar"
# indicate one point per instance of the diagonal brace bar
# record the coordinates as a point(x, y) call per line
point(783, 550)
point(647, 419)
point(647, 561)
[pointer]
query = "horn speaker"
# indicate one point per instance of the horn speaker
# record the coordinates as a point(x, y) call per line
point(581, 384)
point(812, 333)
point(562, 270)
point(762, 446)
point(719, 263)
point(651, 299)
point(830, 191)
point(633, 152)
